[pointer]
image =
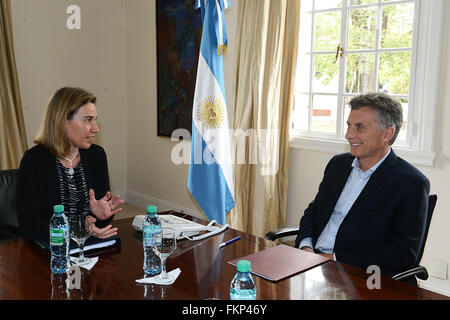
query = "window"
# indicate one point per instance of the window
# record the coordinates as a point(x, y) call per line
point(348, 47)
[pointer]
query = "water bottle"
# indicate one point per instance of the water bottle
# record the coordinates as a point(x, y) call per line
point(151, 226)
point(59, 241)
point(243, 286)
point(60, 290)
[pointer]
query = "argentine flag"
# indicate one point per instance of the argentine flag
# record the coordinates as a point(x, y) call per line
point(210, 178)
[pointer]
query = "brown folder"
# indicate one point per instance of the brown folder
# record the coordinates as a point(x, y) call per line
point(281, 261)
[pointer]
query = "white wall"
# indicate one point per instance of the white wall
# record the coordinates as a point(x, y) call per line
point(50, 56)
point(152, 177)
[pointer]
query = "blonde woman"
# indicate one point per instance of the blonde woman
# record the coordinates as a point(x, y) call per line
point(66, 167)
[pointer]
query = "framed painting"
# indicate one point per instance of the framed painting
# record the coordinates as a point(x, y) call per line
point(178, 29)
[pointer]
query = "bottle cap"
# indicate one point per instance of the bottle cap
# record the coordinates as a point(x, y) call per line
point(244, 266)
point(151, 209)
point(58, 208)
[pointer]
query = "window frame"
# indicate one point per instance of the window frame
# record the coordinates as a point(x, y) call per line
point(426, 60)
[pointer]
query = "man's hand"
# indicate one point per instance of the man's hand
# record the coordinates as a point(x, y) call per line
point(308, 249)
point(329, 256)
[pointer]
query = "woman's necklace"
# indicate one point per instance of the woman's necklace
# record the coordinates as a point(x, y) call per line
point(71, 171)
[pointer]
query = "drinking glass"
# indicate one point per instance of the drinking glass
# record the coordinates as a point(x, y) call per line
point(163, 244)
point(80, 230)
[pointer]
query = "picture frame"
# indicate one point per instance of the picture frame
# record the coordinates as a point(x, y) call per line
point(179, 30)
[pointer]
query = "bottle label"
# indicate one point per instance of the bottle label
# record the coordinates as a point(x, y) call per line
point(147, 235)
point(56, 237)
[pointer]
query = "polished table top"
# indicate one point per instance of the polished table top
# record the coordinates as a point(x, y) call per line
point(205, 273)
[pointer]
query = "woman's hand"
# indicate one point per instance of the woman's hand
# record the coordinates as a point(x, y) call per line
point(106, 206)
point(102, 233)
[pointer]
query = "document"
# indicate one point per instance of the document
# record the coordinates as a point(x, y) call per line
point(281, 261)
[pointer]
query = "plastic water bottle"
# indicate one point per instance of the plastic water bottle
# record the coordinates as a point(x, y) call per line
point(243, 286)
point(59, 241)
point(151, 226)
point(60, 290)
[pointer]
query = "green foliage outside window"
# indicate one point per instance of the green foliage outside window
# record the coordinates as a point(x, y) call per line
point(395, 33)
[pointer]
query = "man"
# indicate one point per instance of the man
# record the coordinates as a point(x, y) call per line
point(371, 205)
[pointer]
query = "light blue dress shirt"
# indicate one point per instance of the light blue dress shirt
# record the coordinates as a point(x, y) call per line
point(356, 182)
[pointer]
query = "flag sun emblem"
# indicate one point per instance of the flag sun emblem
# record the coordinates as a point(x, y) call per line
point(210, 112)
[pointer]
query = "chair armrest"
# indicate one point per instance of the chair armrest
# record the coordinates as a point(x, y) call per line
point(280, 233)
point(419, 271)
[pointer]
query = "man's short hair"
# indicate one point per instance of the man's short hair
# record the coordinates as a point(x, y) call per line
point(389, 110)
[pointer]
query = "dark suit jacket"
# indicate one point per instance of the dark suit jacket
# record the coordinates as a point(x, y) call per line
point(386, 224)
point(38, 191)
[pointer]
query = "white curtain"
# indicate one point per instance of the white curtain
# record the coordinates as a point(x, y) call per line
point(266, 62)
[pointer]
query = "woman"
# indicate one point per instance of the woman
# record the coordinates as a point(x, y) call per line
point(66, 167)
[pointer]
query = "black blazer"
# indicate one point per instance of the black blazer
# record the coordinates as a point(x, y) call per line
point(38, 191)
point(386, 224)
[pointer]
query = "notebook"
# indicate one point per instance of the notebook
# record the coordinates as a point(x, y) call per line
point(180, 225)
point(281, 261)
point(91, 244)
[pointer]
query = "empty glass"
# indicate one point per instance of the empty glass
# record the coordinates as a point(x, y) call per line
point(164, 243)
point(80, 230)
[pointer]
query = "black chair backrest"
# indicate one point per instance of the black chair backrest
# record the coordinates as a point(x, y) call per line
point(431, 204)
point(9, 223)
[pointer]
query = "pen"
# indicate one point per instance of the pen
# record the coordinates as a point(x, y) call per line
point(223, 244)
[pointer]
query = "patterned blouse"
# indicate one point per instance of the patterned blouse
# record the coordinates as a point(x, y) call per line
point(73, 189)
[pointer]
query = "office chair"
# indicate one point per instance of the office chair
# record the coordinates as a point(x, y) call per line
point(419, 271)
point(9, 223)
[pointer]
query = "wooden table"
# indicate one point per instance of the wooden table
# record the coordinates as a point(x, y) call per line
point(205, 274)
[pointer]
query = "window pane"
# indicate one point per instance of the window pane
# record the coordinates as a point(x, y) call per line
point(362, 28)
point(327, 31)
point(326, 73)
point(394, 70)
point(324, 114)
point(327, 4)
point(346, 114)
point(360, 74)
point(397, 25)
point(359, 2)
point(301, 112)
point(305, 30)
point(402, 134)
point(304, 56)
point(306, 5)
point(303, 73)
